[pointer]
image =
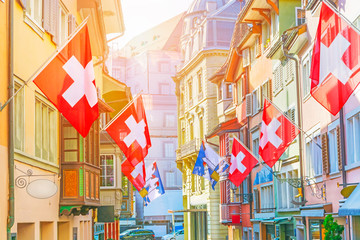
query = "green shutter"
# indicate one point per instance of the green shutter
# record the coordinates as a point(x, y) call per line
point(81, 182)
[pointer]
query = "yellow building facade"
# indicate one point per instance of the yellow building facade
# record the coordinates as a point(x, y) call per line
point(41, 145)
point(205, 43)
point(4, 114)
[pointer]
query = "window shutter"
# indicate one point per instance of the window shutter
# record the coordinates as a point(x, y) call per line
point(54, 21)
point(246, 57)
point(257, 201)
point(338, 136)
point(278, 75)
point(47, 15)
point(325, 153)
point(248, 105)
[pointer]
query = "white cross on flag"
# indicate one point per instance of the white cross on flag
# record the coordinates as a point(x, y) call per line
point(335, 62)
point(135, 174)
point(241, 163)
point(277, 133)
point(130, 131)
point(68, 81)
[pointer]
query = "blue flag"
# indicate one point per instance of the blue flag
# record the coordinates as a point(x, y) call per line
point(207, 165)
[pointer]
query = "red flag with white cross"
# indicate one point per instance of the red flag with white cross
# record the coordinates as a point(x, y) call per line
point(135, 174)
point(277, 133)
point(68, 81)
point(130, 131)
point(241, 163)
point(335, 61)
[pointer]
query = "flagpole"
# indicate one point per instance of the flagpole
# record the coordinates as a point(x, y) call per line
point(39, 70)
point(122, 110)
point(306, 135)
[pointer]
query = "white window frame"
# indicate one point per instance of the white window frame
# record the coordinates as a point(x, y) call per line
point(30, 19)
point(21, 118)
point(114, 171)
point(52, 133)
point(255, 135)
point(63, 36)
point(168, 184)
point(172, 155)
point(353, 137)
point(266, 196)
point(312, 151)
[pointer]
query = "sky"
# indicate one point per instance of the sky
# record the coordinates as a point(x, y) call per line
point(141, 15)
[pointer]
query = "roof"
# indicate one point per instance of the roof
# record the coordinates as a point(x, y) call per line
point(200, 5)
point(231, 125)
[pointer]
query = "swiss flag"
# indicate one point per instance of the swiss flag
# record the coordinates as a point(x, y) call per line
point(277, 133)
point(335, 61)
point(135, 174)
point(130, 131)
point(68, 81)
point(241, 163)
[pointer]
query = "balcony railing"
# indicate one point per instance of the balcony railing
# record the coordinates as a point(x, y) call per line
point(190, 147)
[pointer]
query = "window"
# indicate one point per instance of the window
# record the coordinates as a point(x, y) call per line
point(300, 16)
point(200, 85)
point(314, 155)
point(170, 179)
point(228, 90)
point(63, 26)
point(190, 90)
point(234, 193)
point(169, 150)
point(306, 75)
point(256, 101)
point(245, 190)
point(164, 88)
point(107, 165)
point(333, 150)
point(239, 90)
point(286, 192)
point(19, 118)
point(265, 34)
point(170, 120)
point(34, 9)
point(125, 186)
point(255, 143)
point(45, 131)
point(210, 33)
point(274, 25)
point(353, 138)
point(316, 230)
point(164, 67)
point(71, 142)
point(267, 198)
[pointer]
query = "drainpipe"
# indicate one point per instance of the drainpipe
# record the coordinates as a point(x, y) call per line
point(11, 216)
point(299, 107)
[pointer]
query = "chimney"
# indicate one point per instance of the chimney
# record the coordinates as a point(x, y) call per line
point(211, 6)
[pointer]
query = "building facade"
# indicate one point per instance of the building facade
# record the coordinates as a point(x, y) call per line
point(146, 65)
point(205, 41)
point(47, 149)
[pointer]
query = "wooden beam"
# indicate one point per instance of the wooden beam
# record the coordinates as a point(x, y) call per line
point(264, 12)
point(273, 5)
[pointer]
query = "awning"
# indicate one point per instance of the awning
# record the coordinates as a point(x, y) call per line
point(315, 210)
point(229, 126)
point(272, 220)
point(352, 204)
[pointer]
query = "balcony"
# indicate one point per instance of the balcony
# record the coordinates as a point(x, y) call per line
point(189, 148)
point(222, 105)
point(230, 213)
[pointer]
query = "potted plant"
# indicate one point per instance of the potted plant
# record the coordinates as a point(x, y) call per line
point(333, 230)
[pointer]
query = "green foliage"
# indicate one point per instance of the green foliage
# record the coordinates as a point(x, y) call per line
point(333, 230)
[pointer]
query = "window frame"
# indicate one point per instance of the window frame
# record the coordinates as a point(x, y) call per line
point(21, 93)
point(114, 171)
point(350, 153)
point(52, 133)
